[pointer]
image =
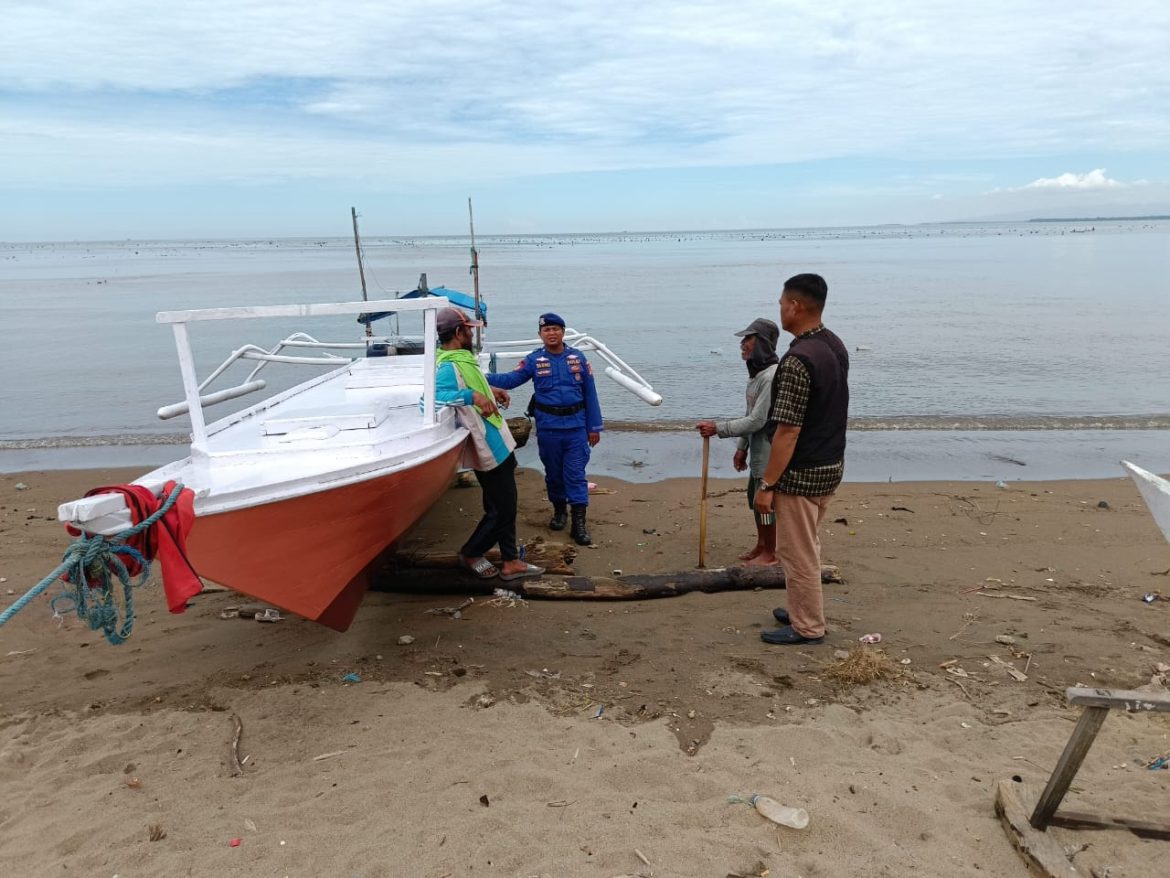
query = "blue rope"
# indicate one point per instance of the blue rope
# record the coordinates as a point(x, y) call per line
point(98, 556)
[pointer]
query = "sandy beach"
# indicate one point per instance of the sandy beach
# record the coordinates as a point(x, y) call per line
point(557, 738)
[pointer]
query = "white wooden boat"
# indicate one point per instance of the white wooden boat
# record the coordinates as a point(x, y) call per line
point(1155, 490)
point(296, 496)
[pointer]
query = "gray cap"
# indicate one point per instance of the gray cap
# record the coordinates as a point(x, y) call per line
point(761, 326)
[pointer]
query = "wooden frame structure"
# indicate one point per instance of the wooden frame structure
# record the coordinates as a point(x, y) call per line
point(1027, 829)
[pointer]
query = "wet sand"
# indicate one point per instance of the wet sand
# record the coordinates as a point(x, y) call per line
point(562, 738)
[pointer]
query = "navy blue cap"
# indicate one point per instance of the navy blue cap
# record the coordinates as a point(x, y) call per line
point(551, 319)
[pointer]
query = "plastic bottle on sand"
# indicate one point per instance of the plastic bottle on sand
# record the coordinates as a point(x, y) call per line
point(797, 818)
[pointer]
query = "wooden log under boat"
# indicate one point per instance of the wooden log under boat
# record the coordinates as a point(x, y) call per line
point(642, 586)
point(556, 559)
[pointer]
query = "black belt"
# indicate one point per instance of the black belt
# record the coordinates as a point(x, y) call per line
point(562, 410)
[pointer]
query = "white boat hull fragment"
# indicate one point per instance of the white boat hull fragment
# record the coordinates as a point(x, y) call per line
point(1155, 490)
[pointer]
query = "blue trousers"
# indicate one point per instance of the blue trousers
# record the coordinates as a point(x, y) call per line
point(565, 454)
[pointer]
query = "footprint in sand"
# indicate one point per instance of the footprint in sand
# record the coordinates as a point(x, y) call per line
point(95, 673)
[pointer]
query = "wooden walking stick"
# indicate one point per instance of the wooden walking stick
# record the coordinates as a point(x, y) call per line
point(703, 504)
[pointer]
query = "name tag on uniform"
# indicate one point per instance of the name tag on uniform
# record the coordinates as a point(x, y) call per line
point(543, 367)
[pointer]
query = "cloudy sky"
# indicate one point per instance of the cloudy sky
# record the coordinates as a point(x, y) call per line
point(242, 118)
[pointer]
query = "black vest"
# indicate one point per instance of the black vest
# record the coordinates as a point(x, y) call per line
point(822, 436)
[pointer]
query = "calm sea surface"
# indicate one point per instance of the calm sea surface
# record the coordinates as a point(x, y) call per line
point(1034, 336)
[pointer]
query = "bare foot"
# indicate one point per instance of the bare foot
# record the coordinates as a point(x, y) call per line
point(515, 566)
point(747, 556)
point(764, 559)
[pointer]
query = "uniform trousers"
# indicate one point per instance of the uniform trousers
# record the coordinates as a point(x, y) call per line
point(565, 454)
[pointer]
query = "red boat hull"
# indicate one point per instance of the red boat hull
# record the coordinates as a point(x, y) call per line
point(309, 555)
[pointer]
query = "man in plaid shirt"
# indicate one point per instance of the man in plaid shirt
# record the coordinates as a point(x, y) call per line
point(810, 409)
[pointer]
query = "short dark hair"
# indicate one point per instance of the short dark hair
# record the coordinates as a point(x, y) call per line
point(445, 337)
point(811, 286)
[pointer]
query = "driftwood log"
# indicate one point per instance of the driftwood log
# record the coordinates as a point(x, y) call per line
point(441, 577)
point(642, 586)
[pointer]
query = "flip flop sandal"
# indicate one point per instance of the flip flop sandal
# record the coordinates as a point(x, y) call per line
point(529, 570)
point(483, 568)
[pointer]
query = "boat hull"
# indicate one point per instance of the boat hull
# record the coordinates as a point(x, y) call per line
point(1155, 490)
point(309, 555)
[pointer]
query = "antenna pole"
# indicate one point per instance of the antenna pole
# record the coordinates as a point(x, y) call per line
point(357, 246)
point(475, 277)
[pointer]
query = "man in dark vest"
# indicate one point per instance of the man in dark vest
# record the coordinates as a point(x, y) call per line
point(810, 408)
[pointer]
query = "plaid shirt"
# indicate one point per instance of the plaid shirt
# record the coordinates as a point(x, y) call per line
point(793, 386)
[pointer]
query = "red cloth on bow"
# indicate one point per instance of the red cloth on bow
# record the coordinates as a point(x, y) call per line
point(166, 540)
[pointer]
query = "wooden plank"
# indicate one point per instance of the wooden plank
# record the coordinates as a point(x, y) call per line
point(1082, 820)
point(1040, 851)
point(1123, 699)
point(1066, 768)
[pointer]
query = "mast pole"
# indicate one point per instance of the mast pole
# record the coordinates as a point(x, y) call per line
point(475, 277)
point(357, 246)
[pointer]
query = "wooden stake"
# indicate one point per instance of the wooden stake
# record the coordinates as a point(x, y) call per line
point(237, 766)
point(703, 504)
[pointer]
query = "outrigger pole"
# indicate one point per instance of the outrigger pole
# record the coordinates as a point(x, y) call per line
point(475, 279)
point(357, 246)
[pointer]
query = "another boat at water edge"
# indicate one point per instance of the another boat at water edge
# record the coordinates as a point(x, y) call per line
point(1155, 490)
point(297, 496)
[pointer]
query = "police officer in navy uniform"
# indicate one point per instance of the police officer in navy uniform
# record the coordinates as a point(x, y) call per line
point(568, 420)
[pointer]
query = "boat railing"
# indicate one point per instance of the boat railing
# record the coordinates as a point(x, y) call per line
point(616, 368)
point(194, 397)
point(265, 356)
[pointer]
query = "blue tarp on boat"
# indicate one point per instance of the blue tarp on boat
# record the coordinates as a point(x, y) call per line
point(462, 300)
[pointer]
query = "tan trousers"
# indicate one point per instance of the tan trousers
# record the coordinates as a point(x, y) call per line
point(799, 549)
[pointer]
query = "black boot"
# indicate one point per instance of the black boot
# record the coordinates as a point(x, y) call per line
point(578, 532)
point(560, 515)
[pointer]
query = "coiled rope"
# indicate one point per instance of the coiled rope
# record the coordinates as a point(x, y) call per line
point(88, 569)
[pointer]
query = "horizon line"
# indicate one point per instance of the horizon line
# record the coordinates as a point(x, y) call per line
point(579, 234)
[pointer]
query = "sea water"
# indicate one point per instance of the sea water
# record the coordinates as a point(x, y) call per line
point(1026, 350)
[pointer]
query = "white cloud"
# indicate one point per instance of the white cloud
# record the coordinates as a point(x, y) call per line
point(754, 82)
point(1095, 179)
point(122, 93)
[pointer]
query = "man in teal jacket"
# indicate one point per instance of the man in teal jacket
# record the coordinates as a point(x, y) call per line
point(459, 382)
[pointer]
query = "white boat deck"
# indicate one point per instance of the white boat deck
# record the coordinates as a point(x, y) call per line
point(357, 421)
point(364, 418)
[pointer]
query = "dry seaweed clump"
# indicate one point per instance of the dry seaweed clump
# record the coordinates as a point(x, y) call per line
point(864, 664)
